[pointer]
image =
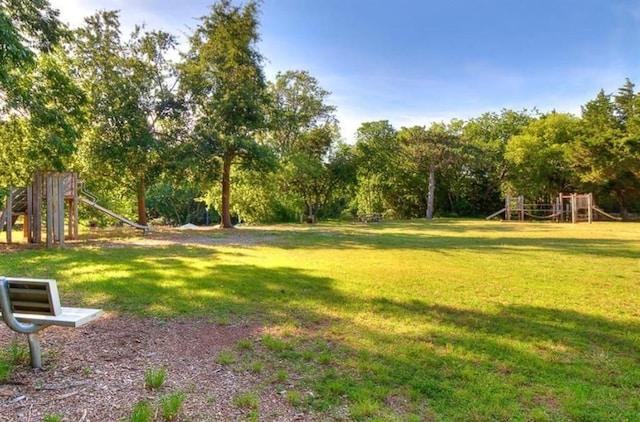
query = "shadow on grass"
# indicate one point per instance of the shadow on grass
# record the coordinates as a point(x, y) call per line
point(444, 243)
point(514, 364)
point(179, 280)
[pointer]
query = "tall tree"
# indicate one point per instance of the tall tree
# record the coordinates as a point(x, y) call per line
point(607, 153)
point(299, 110)
point(304, 133)
point(222, 79)
point(425, 151)
point(376, 152)
point(129, 85)
point(538, 161)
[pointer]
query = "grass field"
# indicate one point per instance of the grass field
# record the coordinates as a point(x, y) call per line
point(455, 320)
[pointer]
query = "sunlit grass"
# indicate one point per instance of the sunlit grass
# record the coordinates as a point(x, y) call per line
point(452, 320)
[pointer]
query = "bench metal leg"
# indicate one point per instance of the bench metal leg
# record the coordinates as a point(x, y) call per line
point(34, 350)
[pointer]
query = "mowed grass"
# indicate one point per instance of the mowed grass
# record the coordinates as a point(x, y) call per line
point(450, 320)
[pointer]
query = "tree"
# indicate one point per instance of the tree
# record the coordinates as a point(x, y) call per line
point(485, 140)
point(27, 27)
point(538, 161)
point(298, 110)
point(425, 151)
point(607, 152)
point(41, 129)
point(40, 105)
point(304, 133)
point(376, 151)
point(222, 80)
point(129, 89)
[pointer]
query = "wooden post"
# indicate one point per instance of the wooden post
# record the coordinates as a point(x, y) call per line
point(590, 206)
point(521, 207)
point(50, 219)
point(507, 208)
point(59, 179)
point(28, 219)
point(36, 226)
point(9, 214)
point(73, 210)
point(574, 208)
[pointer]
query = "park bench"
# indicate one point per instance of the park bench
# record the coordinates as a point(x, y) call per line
point(29, 305)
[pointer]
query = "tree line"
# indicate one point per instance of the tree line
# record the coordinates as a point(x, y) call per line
point(207, 136)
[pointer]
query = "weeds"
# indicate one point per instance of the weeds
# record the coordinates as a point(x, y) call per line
point(154, 378)
point(170, 406)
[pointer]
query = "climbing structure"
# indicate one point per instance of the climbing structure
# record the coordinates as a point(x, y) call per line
point(49, 194)
point(573, 207)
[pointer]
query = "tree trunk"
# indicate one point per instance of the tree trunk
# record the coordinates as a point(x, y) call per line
point(225, 215)
point(432, 190)
point(142, 206)
point(311, 218)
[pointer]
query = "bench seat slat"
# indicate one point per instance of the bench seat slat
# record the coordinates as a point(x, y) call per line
point(69, 317)
point(31, 293)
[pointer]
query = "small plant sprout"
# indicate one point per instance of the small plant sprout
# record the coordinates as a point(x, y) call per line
point(256, 367)
point(294, 398)
point(246, 401)
point(281, 375)
point(154, 378)
point(245, 344)
point(225, 358)
point(142, 412)
point(170, 406)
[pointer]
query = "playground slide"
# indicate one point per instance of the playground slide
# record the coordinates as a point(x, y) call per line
point(601, 211)
point(112, 214)
point(496, 213)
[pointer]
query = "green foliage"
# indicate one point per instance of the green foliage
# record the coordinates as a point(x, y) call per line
point(170, 406)
point(225, 358)
point(257, 367)
point(538, 161)
point(222, 78)
point(43, 117)
point(246, 401)
point(607, 153)
point(128, 86)
point(154, 378)
point(26, 28)
point(12, 356)
point(53, 418)
point(294, 398)
point(142, 412)
point(176, 202)
point(304, 133)
point(244, 344)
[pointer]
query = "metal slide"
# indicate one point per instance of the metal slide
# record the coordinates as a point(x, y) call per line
point(112, 214)
point(601, 211)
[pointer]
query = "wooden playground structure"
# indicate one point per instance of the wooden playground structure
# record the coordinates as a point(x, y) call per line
point(54, 196)
point(573, 207)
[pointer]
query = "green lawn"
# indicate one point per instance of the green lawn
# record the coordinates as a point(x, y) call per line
point(451, 320)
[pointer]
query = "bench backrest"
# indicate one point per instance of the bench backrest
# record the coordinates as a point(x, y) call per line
point(34, 296)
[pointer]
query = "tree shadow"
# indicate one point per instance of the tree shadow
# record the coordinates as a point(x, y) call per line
point(567, 364)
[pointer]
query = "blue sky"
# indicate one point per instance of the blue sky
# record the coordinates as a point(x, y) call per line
point(413, 62)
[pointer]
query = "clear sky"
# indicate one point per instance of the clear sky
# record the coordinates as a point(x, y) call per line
point(413, 62)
